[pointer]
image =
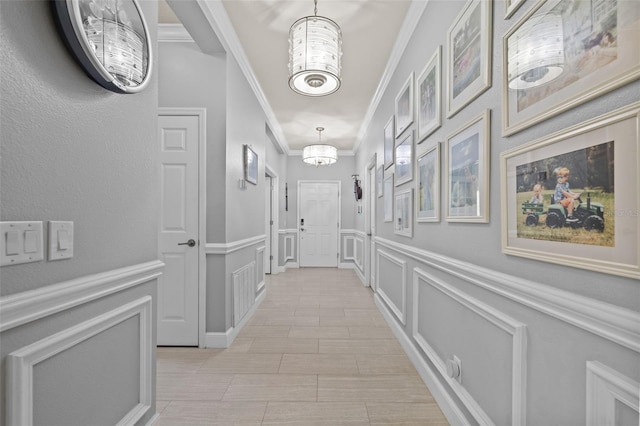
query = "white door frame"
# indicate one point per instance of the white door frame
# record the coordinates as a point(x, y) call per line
point(274, 216)
point(201, 113)
point(339, 207)
point(371, 186)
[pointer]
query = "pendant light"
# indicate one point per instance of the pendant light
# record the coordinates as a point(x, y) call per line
point(315, 55)
point(320, 154)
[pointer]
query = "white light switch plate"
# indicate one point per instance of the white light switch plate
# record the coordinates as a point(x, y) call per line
point(60, 240)
point(20, 242)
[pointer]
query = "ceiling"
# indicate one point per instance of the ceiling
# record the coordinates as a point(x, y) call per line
point(369, 32)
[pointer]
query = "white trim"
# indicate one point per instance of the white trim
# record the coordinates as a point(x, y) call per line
point(22, 308)
point(516, 329)
point(446, 403)
point(275, 217)
point(226, 248)
point(615, 323)
point(260, 278)
point(354, 232)
point(288, 231)
point(21, 363)
point(413, 16)
point(400, 313)
point(225, 339)
point(201, 113)
point(605, 387)
point(344, 248)
point(173, 33)
point(358, 253)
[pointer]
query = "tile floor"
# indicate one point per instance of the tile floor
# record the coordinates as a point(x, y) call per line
point(316, 352)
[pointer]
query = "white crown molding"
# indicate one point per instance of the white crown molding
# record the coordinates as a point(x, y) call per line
point(416, 9)
point(173, 33)
point(21, 308)
point(615, 323)
point(219, 20)
point(226, 248)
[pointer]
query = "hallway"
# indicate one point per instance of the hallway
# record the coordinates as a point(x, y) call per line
point(316, 352)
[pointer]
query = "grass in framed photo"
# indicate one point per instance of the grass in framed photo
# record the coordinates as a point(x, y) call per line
point(403, 218)
point(510, 7)
point(250, 165)
point(389, 142)
point(467, 172)
point(572, 198)
point(428, 185)
point(429, 97)
point(379, 180)
point(469, 55)
point(404, 107)
point(388, 198)
point(404, 160)
point(564, 53)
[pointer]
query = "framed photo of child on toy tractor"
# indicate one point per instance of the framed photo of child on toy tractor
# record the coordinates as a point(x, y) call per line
point(572, 198)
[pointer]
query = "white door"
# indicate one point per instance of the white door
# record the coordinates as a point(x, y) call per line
point(318, 207)
point(371, 232)
point(178, 240)
point(268, 224)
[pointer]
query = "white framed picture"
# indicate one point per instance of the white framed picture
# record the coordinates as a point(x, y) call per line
point(403, 223)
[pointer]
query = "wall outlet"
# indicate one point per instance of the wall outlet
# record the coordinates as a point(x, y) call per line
point(454, 368)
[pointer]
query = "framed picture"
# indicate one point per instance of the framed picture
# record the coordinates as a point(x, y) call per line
point(379, 176)
point(389, 140)
point(428, 185)
point(404, 213)
point(469, 55)
point(388, 198)
point(404, 107)
point(250, 165)
point(467, 172)
point(429, 97)
point(572, 198)
point(595, 50)
point(510, 6)
point(404, 159)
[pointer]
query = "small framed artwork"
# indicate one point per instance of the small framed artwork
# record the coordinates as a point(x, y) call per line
point(250, 165)
point(379, 177)
point(404, 107)
point(428, 185)
point(510, 7)
point(467, 172)
point(404, 159)
point(429, 96)
point(388, 198)
point(404, 213)
point(389, 141)
point(572, 198)
point(593, 49)
point(469, 55)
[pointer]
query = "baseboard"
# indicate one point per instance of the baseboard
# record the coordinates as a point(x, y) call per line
point(223, 340)
point(153, 419)
point(448, 406)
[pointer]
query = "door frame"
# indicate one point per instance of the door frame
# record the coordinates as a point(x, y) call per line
point(274, 216)
point(372, 185)
point(201, 113)
point(339, 208)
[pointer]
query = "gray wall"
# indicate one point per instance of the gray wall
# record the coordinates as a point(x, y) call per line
point(73, 151)
point(556, 352)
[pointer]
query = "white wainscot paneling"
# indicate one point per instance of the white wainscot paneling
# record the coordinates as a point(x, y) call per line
point(612, 398)
point(244, 291)
point(289, 247)
point(391, 276)
point(260, 262)
point(349, 247)
point(423, 281)
point(359, 252)
point(21, 363)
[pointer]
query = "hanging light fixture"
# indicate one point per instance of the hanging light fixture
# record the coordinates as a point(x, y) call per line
point(315, 55)
point(536, 52)
point(320, 154)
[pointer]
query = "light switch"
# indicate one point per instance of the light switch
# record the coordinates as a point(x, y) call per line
point(60, 240)
point(21, 241)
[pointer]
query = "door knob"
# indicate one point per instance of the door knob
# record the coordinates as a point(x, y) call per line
point(190, 243)
point(301, 229)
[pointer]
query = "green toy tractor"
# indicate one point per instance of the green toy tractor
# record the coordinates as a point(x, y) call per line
point(586, 214)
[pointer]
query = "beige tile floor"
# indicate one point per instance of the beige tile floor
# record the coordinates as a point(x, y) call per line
point(316, 352)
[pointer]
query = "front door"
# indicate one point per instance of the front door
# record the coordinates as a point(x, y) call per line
point(178, 239)
point(318, 215)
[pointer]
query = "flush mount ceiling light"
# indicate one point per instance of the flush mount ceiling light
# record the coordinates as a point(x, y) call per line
point(536, 52)
point(320, 154)
point(110, 39)
point(315, 55)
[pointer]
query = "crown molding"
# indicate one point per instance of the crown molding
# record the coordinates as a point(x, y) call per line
point(173, 33)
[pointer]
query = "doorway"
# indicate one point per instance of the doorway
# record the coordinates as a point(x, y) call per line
point(318, 223)
point(370, 223)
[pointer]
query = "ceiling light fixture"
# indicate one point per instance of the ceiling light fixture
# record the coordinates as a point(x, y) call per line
point(320, 154)
point(315, 55)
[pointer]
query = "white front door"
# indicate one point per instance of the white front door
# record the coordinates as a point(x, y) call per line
point(318, 217)
point(178, 240)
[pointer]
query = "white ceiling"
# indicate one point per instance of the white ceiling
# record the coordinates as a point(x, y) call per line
point(369, 28)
